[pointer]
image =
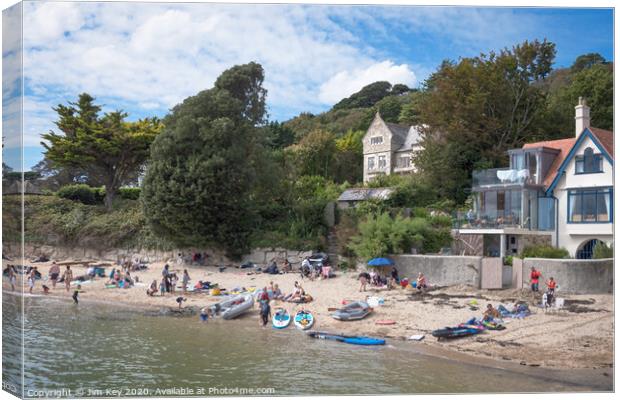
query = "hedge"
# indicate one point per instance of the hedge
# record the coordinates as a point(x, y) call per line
point(94, 195)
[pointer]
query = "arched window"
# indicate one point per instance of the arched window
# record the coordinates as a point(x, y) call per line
point(587, 249)
point(589, 162)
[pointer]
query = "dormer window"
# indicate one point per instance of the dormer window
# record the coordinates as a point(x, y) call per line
point(376, 140)
point(588, 163)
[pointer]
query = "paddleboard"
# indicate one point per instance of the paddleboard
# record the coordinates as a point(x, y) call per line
point(364, 341)
point(281, 318)
point(304, 320)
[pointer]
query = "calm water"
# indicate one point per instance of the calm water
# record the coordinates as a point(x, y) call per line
point(92, 349)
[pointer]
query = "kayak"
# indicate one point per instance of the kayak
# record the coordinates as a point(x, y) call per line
point(304, 320)
point(455, 332)
point(359, 340)
point(234, 306)
point(352, 311)
point(281, 318)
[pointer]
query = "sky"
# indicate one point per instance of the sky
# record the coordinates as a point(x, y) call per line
point(144, 58)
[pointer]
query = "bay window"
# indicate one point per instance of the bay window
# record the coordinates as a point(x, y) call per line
point(590, 205)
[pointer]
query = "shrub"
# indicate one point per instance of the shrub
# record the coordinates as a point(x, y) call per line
point(544, 251)
point(508, 260)
point(601, 250)
point(129, 193)
point(82, 193)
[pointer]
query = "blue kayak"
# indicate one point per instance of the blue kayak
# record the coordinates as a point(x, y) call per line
point(359, 340)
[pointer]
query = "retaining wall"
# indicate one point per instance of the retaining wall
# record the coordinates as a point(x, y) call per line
point(441, 270)
point(573, 276)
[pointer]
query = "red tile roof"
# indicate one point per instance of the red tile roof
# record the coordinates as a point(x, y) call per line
point(563, 145)
point(606, 138)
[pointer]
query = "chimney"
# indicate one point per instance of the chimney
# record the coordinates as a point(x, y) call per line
point(582, 116)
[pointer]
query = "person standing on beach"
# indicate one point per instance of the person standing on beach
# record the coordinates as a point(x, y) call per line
point(68, 277)
point(162, 286)
point(31, 278)
point(76, 292)
point(186, 280)
point(54, 274)
point(12, 277)
point(534, 277)
point(551, 285)
point(265, 312)
point(165, 273)
point(363, 277)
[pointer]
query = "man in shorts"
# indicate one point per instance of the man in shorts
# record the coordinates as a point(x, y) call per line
point(534, 277)
point(265, 312)
point(54, 274)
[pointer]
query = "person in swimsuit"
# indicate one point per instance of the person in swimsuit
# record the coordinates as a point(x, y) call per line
point(68, 277)
point(32, 278)
point(54, 273)
point(186, 280)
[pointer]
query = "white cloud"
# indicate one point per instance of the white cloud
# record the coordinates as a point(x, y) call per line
point(347, 82)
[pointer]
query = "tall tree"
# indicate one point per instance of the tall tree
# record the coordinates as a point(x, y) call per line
point(315, 154)
point(109, 149)
point(478, 108)
point(201, 173)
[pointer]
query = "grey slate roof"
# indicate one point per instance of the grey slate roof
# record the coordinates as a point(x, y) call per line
point(412, 139)
point(361, 194)
point(399, 132)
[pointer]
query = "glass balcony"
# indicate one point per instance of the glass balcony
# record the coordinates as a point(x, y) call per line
point(500, 176)
point(489, 220)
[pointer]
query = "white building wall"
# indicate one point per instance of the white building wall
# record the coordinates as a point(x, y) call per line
point(572, 236)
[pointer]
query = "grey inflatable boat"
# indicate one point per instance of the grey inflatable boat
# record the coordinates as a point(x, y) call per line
point(352, 311)
point(234, 306)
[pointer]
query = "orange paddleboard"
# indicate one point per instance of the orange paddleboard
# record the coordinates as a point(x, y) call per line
point(385, 322)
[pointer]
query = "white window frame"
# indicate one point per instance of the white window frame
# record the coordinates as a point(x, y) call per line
point(371, 163)
point(376, 140)
point(382, 162)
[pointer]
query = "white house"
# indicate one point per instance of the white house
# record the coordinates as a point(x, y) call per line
point(388, 148)
point(558, 192)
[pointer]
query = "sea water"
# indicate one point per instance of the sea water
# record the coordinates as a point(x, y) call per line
point(97, 350)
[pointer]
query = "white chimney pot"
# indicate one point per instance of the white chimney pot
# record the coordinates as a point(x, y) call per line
point(582, 116)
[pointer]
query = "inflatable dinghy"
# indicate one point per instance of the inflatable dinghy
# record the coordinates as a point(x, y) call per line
point(359, 340)
point(281, 318)
point(352, 311)
point(455, 332)
point(233, 307)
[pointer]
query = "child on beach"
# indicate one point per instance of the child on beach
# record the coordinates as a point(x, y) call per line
point(204, 314)
point(162, 286)
point(363, 277)
point(31, 279)
point(265, 312)
point(180, 300)
point(534, 277)
point(12, 277)
point(46, 290)
point(551, 285)
point(75, 294)
point(152, 289)
point(421, 282)
point(186, 280)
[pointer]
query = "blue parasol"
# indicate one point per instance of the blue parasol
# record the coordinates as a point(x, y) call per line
point(380, 262)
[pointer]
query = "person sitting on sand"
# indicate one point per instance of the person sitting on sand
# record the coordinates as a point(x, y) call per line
point(68, 277)
point(128, 281)
point(277, 293)
point(287, 266)
point(421, 282)
point(364, 278)
point(295, 294)
point(54, 273)
point(152, 289)
point(394, 279)
point(490, 313)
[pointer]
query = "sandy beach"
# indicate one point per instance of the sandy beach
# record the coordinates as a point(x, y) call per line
point(579, 337)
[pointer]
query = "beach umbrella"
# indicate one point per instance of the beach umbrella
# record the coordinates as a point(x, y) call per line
point(380, 262)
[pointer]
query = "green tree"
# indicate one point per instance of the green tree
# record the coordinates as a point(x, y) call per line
point(107, 148)
point(200, 179)
point(478, 108)
point(586, 61)
point(366, 97)
point(315, 154)
point(349, 157)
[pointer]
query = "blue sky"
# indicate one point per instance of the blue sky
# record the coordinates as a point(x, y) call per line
point(145, 57)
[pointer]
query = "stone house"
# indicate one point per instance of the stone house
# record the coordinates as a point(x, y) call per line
point(388, 148)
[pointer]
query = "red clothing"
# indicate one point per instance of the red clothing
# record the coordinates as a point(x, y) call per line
point(264, 296)
point(534, 276)
point(551, 284)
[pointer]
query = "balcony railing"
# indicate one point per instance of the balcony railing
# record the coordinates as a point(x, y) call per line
point(500, 176)
point(489, 220)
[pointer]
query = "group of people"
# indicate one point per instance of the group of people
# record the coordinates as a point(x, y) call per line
point(168, 282)
point(195, 258)
point(535, 277)
point(122, 279)
point(375, 279)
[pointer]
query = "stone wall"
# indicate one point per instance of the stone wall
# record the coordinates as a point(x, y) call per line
point(441, 270)
point(532, 240)
point(573, 276)
point(261, 257)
